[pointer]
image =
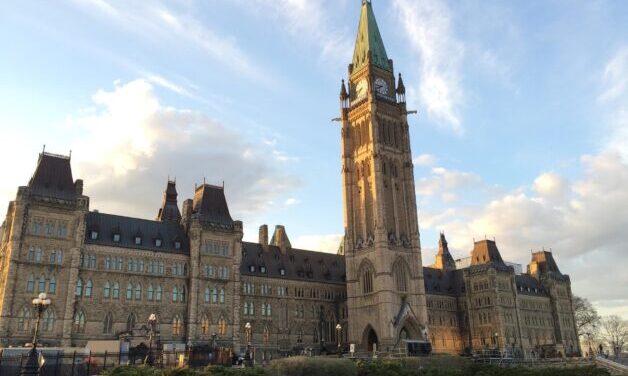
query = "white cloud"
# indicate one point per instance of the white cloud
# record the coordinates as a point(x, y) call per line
point(614, 101)
point(322, 243)
point(550, 185)
point(131, 140)
point(291, 202)
point(446, 184)
point(425, 160)
point(308, 20)
point(155, 21)
point(428, 28)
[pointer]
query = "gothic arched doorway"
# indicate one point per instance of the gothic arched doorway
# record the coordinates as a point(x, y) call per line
point(371, 339)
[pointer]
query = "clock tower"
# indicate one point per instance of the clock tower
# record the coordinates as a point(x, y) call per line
point(385, 288)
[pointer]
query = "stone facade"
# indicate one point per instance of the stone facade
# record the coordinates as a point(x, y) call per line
point(107, 273)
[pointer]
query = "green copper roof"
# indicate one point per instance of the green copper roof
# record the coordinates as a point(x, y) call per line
point(369, 39)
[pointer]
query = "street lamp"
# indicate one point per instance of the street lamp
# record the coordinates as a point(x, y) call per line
point(497, 341)
point(247, 328)
point(338, 332)
point(31, 367)
point(213, 347)
point(152, 319)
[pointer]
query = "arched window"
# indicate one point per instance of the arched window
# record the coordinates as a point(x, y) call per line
point(214, 295)
point(207, 294)
point(182, 294)
point(400, 273)
point(158, 294)
point(204, 325)
point(175, 294)
point(48, 320)
point(78, 325)
point(30, 283)
point(246, 308)
point(367, 280)
point(116, 290)
point(108, 323)
point(41, 286)
point(52, 285)
point(88, 288)
point(151, 293)
point(176, 326)
point(138, 291)
point(106, 290)
point(24, 319)
point(222, 327)
point(79, 287)
point(131, 321)
point(129, 291)
point(222, 296)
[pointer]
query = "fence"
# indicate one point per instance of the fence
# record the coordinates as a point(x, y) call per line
point(84, 363)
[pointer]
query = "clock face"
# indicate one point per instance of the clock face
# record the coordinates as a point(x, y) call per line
point(361, 89)
point(381, 86)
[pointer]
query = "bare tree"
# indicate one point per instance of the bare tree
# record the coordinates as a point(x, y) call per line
point(587, 319)
point(615, 332)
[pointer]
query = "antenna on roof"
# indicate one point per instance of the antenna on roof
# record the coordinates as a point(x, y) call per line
point(204, 181)
point(43, 150)
point(223, 184)
point(70, 156)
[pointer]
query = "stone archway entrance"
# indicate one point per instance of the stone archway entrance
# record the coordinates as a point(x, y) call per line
point(369, 338)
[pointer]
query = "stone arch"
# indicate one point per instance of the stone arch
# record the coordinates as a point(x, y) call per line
point(369, 338)
point(401, 274)
point(366, 273)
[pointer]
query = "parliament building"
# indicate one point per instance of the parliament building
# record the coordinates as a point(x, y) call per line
point(106, 273)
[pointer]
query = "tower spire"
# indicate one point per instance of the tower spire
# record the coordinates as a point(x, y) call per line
point(369, 44)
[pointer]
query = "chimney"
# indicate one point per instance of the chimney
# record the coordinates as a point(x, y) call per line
point(263, 237)
point(280, 239)
point(78, 187)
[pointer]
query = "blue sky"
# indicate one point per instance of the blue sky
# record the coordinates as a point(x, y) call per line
point(521, 132)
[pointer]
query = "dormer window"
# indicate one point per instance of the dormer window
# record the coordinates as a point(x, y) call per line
point(157, 242)
point(282, 271)
point(252, 268)
point(138, 240)
point(116, 238)
point(262, 269)
point(177, 245)
point(94, 235)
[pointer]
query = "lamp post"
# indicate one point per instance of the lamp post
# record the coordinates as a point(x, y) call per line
point(213, 348)
point(247, 328)
point(150, 359)
point(338, 333)
point(31, 367)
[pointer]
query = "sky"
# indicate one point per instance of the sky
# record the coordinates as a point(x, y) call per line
point(521, 133)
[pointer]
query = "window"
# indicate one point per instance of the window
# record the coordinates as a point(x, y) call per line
point(31, 254)
point(204, 325)
point(48, 320)
point(176, 326)
point(262, 269)
point(367, 281)
point(37, 225)
point(252, 309)
point(24, 319)
point(252, 268)
point(282, 271)
point(158, 294)
point(130, 322)
point(30, 284)
point(177, 245)
point(246, 309)
point(79, 287)
point(94, 235)
point(138, 240)
point(88, 288)
point(56, 257)
point(116, 290)
point(400, 271)
point(108, 323)
point(207, 294)
point(222, 296)
point(52, 285)
point(214, 295)
point(157, 242)
point(182, 294)
point(116, 238)
point(107, 262)
point(78, 325)
point(106, 290)
point(129, 291)
point(151, 293)
point(222, 327)
point(175, 294)
point(138, 292)
point(49, 228)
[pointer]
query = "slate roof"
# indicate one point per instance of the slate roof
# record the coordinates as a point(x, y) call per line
point(528, 285)
point(53, 177)
point(442, 282)
point(108, 224)
point(169, 210)
point(298, 264)
point(210, 205)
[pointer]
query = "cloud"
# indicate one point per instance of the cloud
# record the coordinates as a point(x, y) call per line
point(447, 184)
point(155, 21)
point(322, 243)
point(130, 144)
point(614, 101)
point(428, 28)
point(584, 227)
point(425, 160)
point(308, 20)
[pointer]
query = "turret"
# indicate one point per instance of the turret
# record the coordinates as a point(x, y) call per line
point(169, 210)
point(280, 239)
point(344, 96)
point(444, 261)
point(401, 90)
